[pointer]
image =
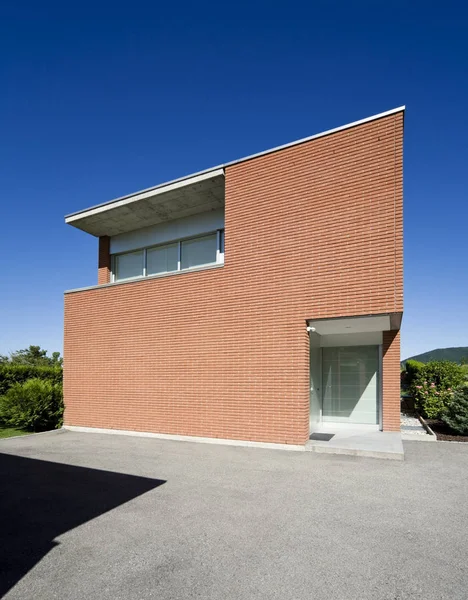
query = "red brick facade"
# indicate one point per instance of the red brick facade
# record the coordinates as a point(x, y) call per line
point(104, 260)
point(312, 231)
point(391, 380)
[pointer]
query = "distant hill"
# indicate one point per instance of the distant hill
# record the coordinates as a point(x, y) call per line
point(453, 354)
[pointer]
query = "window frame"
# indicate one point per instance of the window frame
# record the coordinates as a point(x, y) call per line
point(219, 256)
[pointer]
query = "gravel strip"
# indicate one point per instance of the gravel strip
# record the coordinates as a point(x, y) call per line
point(411, 425)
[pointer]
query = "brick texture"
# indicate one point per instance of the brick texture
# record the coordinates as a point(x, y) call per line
point(104, 260)
point(391, 380)
point(312, 231)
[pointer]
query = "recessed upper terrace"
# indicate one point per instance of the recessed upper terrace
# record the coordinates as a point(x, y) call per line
point(167, 202)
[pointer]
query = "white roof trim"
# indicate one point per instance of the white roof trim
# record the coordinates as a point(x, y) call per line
point(318, 135)
point(214, 171)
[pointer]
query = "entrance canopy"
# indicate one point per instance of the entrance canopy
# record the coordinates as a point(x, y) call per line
point(353, 331)
point(360, 324)
point(346, 370)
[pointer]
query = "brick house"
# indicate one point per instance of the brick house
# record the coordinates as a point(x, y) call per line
point(252, 301)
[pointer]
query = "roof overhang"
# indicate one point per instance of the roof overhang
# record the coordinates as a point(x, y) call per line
point(359, 324)
point(173, 200)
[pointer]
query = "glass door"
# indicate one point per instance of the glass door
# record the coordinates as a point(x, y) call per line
point(315, 382)
point(350, 384)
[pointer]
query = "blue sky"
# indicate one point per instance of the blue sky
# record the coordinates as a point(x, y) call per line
point(100, 100)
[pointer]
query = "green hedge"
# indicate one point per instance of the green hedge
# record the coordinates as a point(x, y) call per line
point(13, 373)
point(35, 405)
point(412, 369)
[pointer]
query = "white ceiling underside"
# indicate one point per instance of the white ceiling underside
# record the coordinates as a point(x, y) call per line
point(351, 325)
point(166, 203)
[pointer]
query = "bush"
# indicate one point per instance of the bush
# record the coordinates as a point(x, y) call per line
point(431, 402)
point(456, 416)
point(14, 373)
point(36, 405)
point(412, 369)
point(444, 373)
point(433, 385)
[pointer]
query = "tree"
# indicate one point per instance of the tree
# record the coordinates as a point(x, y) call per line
point(56, 359)
point(36, 356)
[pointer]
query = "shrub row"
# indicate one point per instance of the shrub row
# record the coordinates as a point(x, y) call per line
point(36, 405)
point(433, 385)
point(456, 416)
point(31, 396)
point(13, 373)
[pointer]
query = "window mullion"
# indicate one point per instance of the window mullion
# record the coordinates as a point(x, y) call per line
point(179, 255)
point(218, 246)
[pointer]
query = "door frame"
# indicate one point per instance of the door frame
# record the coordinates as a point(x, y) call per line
point(379, 405)
point(380, 389)
point(318, 422)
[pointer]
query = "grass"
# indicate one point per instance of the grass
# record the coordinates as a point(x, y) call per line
point(6, 432)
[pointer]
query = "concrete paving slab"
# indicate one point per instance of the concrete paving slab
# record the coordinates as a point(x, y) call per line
point(359, 441)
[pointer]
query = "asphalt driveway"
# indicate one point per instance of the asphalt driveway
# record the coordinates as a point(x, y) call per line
point(114, 517)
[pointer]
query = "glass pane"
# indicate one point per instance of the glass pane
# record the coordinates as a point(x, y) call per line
point(350, 384)
point(200, 251)
point(162, 259)
point(129, 265)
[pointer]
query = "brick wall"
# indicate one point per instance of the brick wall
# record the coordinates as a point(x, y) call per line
point(312, 231)
point(104, 260)
point(391, 380)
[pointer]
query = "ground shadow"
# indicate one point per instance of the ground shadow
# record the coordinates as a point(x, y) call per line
point(40, 500)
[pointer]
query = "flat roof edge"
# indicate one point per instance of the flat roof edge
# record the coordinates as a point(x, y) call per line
point(175, 183)
point(70, 217)
point(319, 135)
